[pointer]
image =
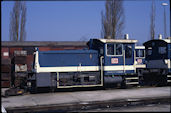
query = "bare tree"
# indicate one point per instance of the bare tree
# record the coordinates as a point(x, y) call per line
point(113, 19)
point(83, 38)
point(152, 25)
point(18, 22)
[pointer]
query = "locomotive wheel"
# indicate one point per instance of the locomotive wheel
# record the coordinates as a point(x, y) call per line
point(123, 84)
point(162, 80)
point(33, 88)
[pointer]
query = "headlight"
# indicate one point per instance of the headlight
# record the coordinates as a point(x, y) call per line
point(166, 61)
point(135, 62)
point(146, 62)
point(29, 84)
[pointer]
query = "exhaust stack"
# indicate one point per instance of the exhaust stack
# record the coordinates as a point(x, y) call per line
point(126, 36)
point(160, 36)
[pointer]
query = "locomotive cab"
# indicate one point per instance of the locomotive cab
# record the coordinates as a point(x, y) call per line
point(158, 55)
point(118, 59)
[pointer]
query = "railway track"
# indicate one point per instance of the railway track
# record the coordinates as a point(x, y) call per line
point(90, 105)
point(86, 100)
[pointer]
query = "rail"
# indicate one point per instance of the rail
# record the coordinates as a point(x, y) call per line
point(90, 105)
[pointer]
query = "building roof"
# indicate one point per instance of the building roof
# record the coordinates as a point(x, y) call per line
point(43, 43)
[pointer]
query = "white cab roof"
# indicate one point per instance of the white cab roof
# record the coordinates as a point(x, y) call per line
point(117, 40)
point(139, 47)
point(168, 40)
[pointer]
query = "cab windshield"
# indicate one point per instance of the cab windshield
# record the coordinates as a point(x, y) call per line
point(140, 53)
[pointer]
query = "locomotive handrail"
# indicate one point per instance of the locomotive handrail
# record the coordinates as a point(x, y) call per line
point(124, 60)
point(135, 62)
point(101, 64)
point(36, 66)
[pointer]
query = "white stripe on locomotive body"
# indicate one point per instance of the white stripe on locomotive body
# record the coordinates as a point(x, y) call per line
point(84, 68)
point(119, 68)
point(169, 64)
point(141, 66)
point(68, 69)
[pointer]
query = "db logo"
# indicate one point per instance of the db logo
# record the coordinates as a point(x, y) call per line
point(139, 61)
point(114, 60)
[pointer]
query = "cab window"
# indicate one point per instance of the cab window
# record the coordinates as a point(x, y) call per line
point(137, 53)
point(110, 49)
point(128, 51)
point(149, 51)
point(118, 49)
point(141, 53)
point(162, 50)
point(114, 49)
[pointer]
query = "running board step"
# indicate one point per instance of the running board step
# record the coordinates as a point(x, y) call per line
point(168, 80)
point(129, 83)
point(168, 76)
point(131, 78)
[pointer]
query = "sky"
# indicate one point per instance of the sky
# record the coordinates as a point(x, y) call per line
point(81, 20)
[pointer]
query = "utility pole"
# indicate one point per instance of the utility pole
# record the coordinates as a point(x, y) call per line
point(165, 34)
point(170, 19)
point(152, 26)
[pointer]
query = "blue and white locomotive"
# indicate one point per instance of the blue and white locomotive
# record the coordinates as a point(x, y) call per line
point(106, 61)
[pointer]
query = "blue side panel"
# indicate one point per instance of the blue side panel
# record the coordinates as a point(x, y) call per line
point(128, 61)
point(169, 55)
point(118, 60)
point(170, 70)
point(68, 58)
point(108, 60)
point(169, 50)
point(130, 71)
point(119, 72)
point(43, 80)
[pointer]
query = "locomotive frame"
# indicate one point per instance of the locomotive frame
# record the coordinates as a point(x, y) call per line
point(109, 66)
point(107, 69)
